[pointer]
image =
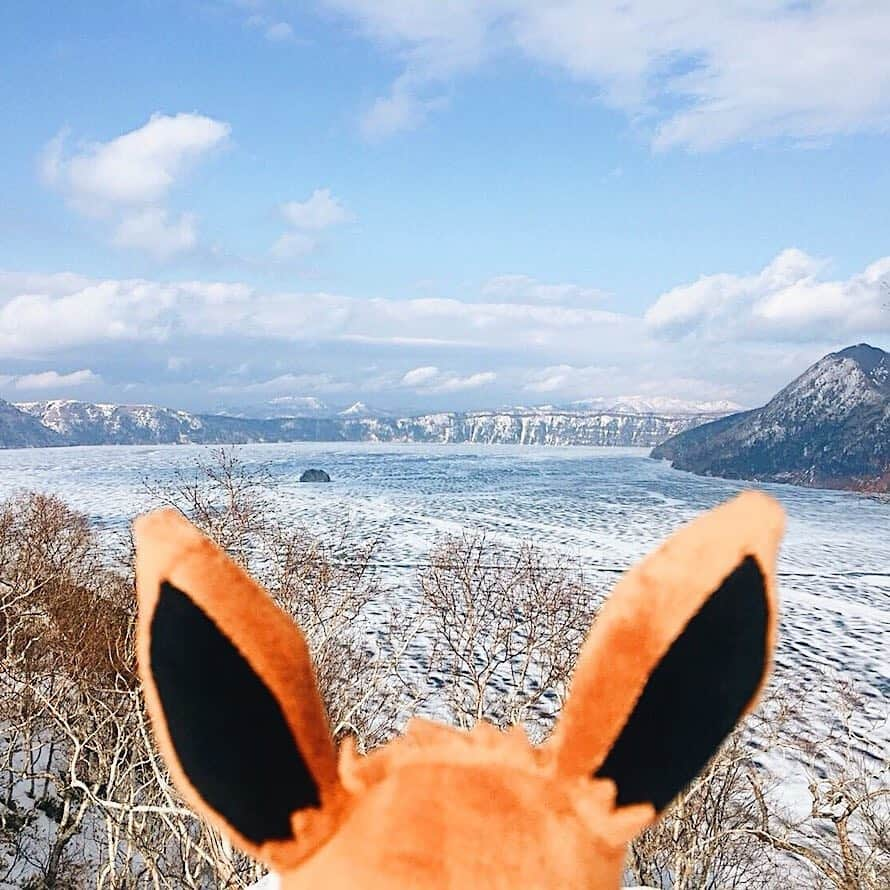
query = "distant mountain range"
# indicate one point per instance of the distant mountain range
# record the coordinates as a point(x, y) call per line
point(303, 406)
point(309, 406)
point(829, 428)
point(656, 405)
point(65, 422)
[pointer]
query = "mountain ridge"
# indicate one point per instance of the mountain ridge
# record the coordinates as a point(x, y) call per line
point(828, 428)
point(70, 422)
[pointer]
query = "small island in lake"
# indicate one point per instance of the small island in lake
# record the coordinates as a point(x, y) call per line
point(313, 475)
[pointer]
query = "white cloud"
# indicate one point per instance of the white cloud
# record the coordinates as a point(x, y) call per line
point(37, 321)
point(430, 379)
point(279, 32)
point(55, 380)
point(420, 376)
point(437, 40)
point(403, 109)
point(287, 383)
point(702, 75)
point(53, 316)
point(274, 30)
point(154, 231)
point(473, 381)
point(525, 288)
point(139, 167)
point(51, 158)
point(790, 298)
point(12, 284)
point(127, 179)
point(293, 245)
point(754, 333)
point(630, 386)
point(319, 211)
point(786, 299)
point(566, 379)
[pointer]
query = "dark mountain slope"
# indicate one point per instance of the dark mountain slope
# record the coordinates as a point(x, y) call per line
point(19, 429)
point(829, 428)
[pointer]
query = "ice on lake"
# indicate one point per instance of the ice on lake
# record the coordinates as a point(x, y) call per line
point(603, 507)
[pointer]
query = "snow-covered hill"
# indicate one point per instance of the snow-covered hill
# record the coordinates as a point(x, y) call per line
point(361, 410)
point(18, 429)
point(828, 428)
point(85, 423)
point(539, 427)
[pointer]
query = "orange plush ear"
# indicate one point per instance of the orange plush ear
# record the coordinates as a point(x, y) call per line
point(232, 694)
point(677, 655)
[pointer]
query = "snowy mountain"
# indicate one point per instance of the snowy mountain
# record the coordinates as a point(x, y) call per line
point(537, 427)
point(67, 422)
point(361, 410)
point(656, 405)
point(85, 423)
point(18, 429)
point(829, 428)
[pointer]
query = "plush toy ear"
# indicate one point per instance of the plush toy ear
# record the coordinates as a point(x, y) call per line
point(676, 656)
point(231, 691)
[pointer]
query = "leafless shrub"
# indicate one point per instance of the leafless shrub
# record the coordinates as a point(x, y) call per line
point(504, 631)
point(328, 587)
point(842, 839)
point(733, 828)
point(703, 842)
point(65, 632)
point(227, 499)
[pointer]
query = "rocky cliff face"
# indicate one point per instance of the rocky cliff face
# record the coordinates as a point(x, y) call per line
point(828, 428)
point(540, 428)
point(84, 423)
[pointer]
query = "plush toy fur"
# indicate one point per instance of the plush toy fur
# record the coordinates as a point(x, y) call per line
point(677, 655)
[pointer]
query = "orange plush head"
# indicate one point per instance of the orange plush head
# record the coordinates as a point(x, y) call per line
point(677, 655)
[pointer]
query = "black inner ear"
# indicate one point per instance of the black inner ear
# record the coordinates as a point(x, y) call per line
point(228, 730)
point(695, 695)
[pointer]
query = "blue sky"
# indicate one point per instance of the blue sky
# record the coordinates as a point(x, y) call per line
point(438, 204)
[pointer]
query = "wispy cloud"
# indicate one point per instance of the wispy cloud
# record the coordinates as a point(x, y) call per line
point(320, 211)
point(154, 231)
point(274, 29)
point(286, 383)
point(523, 288)
point(279, 32)
point(405, 108)
point(293, 246)
point(701, 78)
point(792, 298)
point(53, 380)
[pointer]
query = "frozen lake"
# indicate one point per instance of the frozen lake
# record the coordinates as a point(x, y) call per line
point(602, 507)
